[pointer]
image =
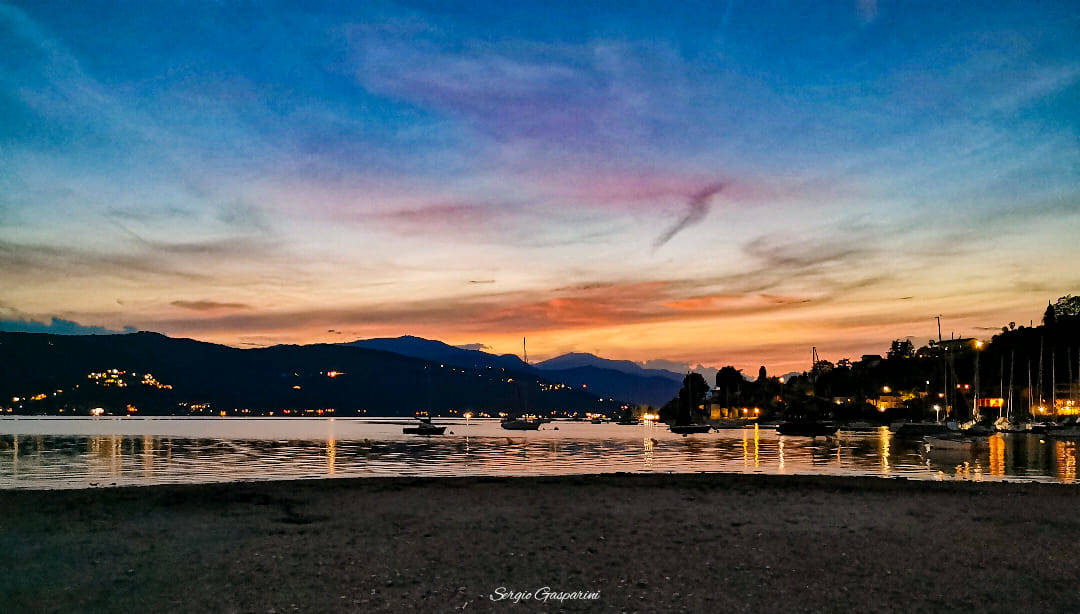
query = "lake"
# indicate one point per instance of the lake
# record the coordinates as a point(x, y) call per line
point(51, 452)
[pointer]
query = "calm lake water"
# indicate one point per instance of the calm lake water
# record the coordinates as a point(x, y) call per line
point(46, 453)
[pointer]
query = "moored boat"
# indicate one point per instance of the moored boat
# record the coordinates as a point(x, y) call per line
point(520, 424)
point(921, 429)
point(525, 422)
point(808, 417)
point(425, 427)
point(689, 429)
point(686, 422)
point(860, 426)
point(1066, 428)
point(807, 428)
point(626, 417)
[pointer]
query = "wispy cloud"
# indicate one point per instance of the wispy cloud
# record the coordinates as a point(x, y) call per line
point(205, 305)
point(378, 177)
point(473, 346)
point(698, 207)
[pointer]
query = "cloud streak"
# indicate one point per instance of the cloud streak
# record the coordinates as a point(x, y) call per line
point(697, 208)
point(205, 305)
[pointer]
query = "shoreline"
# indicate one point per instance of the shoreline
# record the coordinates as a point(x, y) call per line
point(802, 478)
point(693, 542)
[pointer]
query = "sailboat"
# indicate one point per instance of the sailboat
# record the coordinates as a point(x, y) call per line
point(627, 417)
point(425, 426)
point(806, 417)
point(521, 423)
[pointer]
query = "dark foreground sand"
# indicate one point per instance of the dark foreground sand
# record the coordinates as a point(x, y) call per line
point(705, 543)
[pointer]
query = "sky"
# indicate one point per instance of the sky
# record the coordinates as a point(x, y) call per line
point(704, 183)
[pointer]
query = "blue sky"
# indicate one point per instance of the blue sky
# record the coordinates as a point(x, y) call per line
point(707, 182)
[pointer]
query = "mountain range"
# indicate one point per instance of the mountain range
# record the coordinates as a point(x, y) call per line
point(368, 377)
point(621, 380)
point(575, 360)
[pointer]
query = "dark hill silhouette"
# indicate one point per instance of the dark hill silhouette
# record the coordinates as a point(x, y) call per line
point(574, 360)
point(428, 349)
point(608, 383)
point(619, 379)
point(372, 382)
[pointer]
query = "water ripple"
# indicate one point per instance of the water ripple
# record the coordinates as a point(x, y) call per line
point(78, 453)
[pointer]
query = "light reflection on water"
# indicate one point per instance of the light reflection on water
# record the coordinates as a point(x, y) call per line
point(75, 453)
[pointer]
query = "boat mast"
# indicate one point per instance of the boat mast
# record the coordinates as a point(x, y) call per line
point(1068, 363)
point(689, 385)
point(1031, 400)
point(944, 368)
point(1012, 376)
point(1075, 389)
point(1001, 384)
point(524, 384)
point(975, 405)
point(1042, 381)
point(1053, 382)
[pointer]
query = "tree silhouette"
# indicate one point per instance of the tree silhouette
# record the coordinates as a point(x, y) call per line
point(685, 406)
point(1049, 317)
point(901, 348)
point(729, 382)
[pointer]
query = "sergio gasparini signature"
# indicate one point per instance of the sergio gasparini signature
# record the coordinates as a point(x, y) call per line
point(544, 593)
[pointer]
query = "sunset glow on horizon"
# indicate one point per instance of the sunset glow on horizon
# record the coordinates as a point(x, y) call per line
point(718, 183)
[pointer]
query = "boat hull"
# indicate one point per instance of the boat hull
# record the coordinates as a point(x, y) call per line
point(1067, 432)
point(424, 430)
point(520, 425)
point(807, 429)
point(920, 429)
point(690, 429)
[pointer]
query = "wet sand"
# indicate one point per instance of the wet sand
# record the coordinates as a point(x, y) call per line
point(699, 543)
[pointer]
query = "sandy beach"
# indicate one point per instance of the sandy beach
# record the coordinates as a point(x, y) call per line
point(696, 543)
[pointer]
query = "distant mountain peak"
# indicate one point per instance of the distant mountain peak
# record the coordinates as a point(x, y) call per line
point(438, 351)
point(573, 360)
